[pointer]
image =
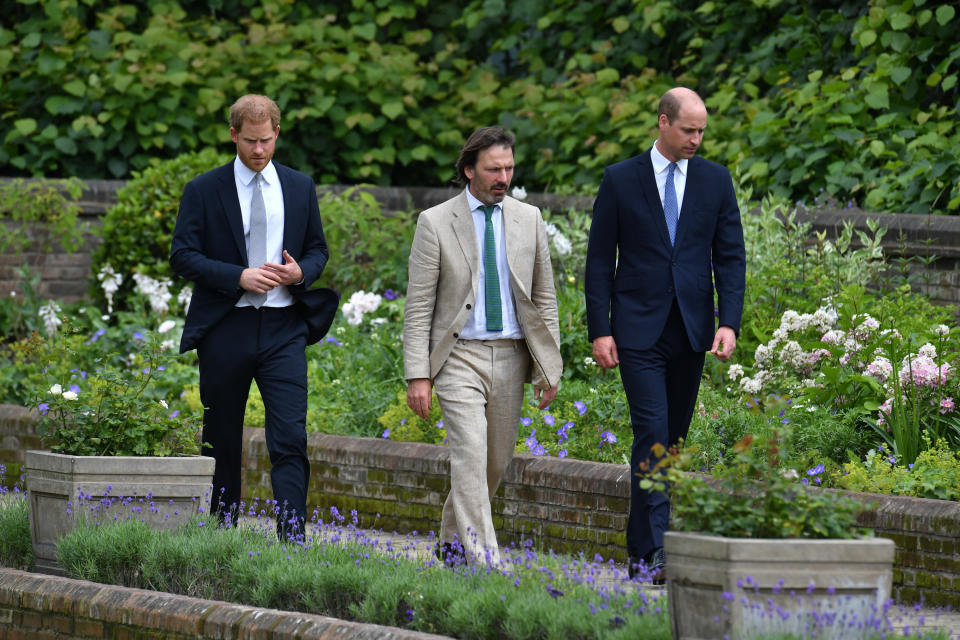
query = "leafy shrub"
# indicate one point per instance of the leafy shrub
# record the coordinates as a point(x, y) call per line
point(387, 95)
point(933, 474)
point(137, 231)
point(750, 497)
point(16, 550)
point(50, 203)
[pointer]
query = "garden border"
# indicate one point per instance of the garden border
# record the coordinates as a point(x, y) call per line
point(561, 504)
point(41, 606)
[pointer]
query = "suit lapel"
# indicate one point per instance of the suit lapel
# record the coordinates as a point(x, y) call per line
point(689, 200)
point(227, 191)
point(512, 231)
point(462, 223)
point(648, 187)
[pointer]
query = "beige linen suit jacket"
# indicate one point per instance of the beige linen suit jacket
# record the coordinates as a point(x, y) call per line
point(444, 273)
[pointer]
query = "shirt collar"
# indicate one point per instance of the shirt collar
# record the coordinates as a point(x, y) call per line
point(475, 204)
point(660, 163)
point(245, 174)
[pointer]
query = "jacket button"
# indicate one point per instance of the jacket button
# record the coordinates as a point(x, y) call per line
point(456, 335)
point(469, 306)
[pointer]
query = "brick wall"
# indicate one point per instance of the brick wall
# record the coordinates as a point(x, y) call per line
point(565, 505)
point(66, 277)
point(40, 606)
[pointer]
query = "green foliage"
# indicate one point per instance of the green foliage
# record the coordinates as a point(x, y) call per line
point(30, 204)
point(400, 423)
point(340, 572)
point(368, 249)
point(867, 90)
point(20, 312)
point(933, 474)
point(16, 550)
point(137, 231)
point(750, 497)
point(108, 409)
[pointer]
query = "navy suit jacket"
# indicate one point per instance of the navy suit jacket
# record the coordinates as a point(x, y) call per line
point(208, 247)
point(632, 271)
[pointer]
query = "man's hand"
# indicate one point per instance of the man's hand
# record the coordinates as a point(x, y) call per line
point(258, 279)
point(724, 343)
point(287, 273)
point(420, 397)
point(605, 352)
point(546, 397)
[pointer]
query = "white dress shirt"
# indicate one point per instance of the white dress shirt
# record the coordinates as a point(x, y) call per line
point(660, 167)
point(273, 202)
point(476, 327)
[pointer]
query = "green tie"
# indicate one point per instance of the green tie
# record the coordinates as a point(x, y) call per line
point(491, 280)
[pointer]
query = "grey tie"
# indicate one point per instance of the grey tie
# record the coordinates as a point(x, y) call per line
point(258, 237)
point(670, 203)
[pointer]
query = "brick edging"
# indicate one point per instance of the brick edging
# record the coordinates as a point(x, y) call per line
point(35, 605)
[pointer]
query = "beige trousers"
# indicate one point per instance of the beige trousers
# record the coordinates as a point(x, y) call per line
point(480, 389)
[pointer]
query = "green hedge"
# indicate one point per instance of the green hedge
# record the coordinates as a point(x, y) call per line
point(851, 101)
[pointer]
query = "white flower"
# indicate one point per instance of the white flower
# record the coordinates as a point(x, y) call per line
point(110, 281)
point(751, 385)
point(69, 395)
point(834, 336)
point(48, 313)
point(869, 323)
point(165, 326)
point(163, 403)
point(736, 372)
point(551, 229)
point(562, 244)
point(56, 389)
point(762, 354)
point(519, 193)
point(359, 304)
point(590, 362)
point(928, 350)
point(157, 292)
point(184, 297)
point(880, 369)
point(13, 294)
point(790, 474)
point(940, 330)
point(166, 345)
point(378, 321)
point(792, 354)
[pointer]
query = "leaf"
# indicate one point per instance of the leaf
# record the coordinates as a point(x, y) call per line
point(62, 104)
point(945, 14)
point(75, 87)
point(900, 21)
point(31, 40)
point(366, 31)
point(392, 109)
point(867, 38)
point(25, 126)
point(65, 145)
point(620, 24)
point(949, 82)
point(608, 76)
point(878, 98)
point(900, 74)
point(877, 147)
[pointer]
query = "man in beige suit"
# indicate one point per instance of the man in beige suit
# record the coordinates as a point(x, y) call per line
point(480, 321)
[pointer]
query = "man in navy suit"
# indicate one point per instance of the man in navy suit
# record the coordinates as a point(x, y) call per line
point(664, 222)
point(249, 237)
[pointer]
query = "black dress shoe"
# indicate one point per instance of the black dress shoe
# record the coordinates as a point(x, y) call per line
point(656, 562)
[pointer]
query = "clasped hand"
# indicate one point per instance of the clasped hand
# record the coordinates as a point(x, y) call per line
point(264, 278)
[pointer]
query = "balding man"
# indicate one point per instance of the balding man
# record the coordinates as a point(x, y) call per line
point(666, 233)
point(249, 237)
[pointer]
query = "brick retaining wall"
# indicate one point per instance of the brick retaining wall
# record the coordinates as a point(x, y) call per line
point(565, 505)
point(908, 236)
point(41, 606)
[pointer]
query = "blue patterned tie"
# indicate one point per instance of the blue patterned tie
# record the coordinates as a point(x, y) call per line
point(670, 203)
point(491, 279)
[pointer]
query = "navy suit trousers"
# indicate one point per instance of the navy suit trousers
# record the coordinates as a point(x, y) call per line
point(661, 385)
point(266, 345)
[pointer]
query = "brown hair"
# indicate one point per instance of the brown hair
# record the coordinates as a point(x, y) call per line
point(670, 102)
point(481, 139)
point(254, 108)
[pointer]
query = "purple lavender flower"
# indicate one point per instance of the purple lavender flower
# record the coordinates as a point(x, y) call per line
point(580, 407)
point(390, 294)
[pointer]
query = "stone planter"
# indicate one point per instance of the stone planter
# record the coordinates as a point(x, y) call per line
point(750, 588)
point(60, 489)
